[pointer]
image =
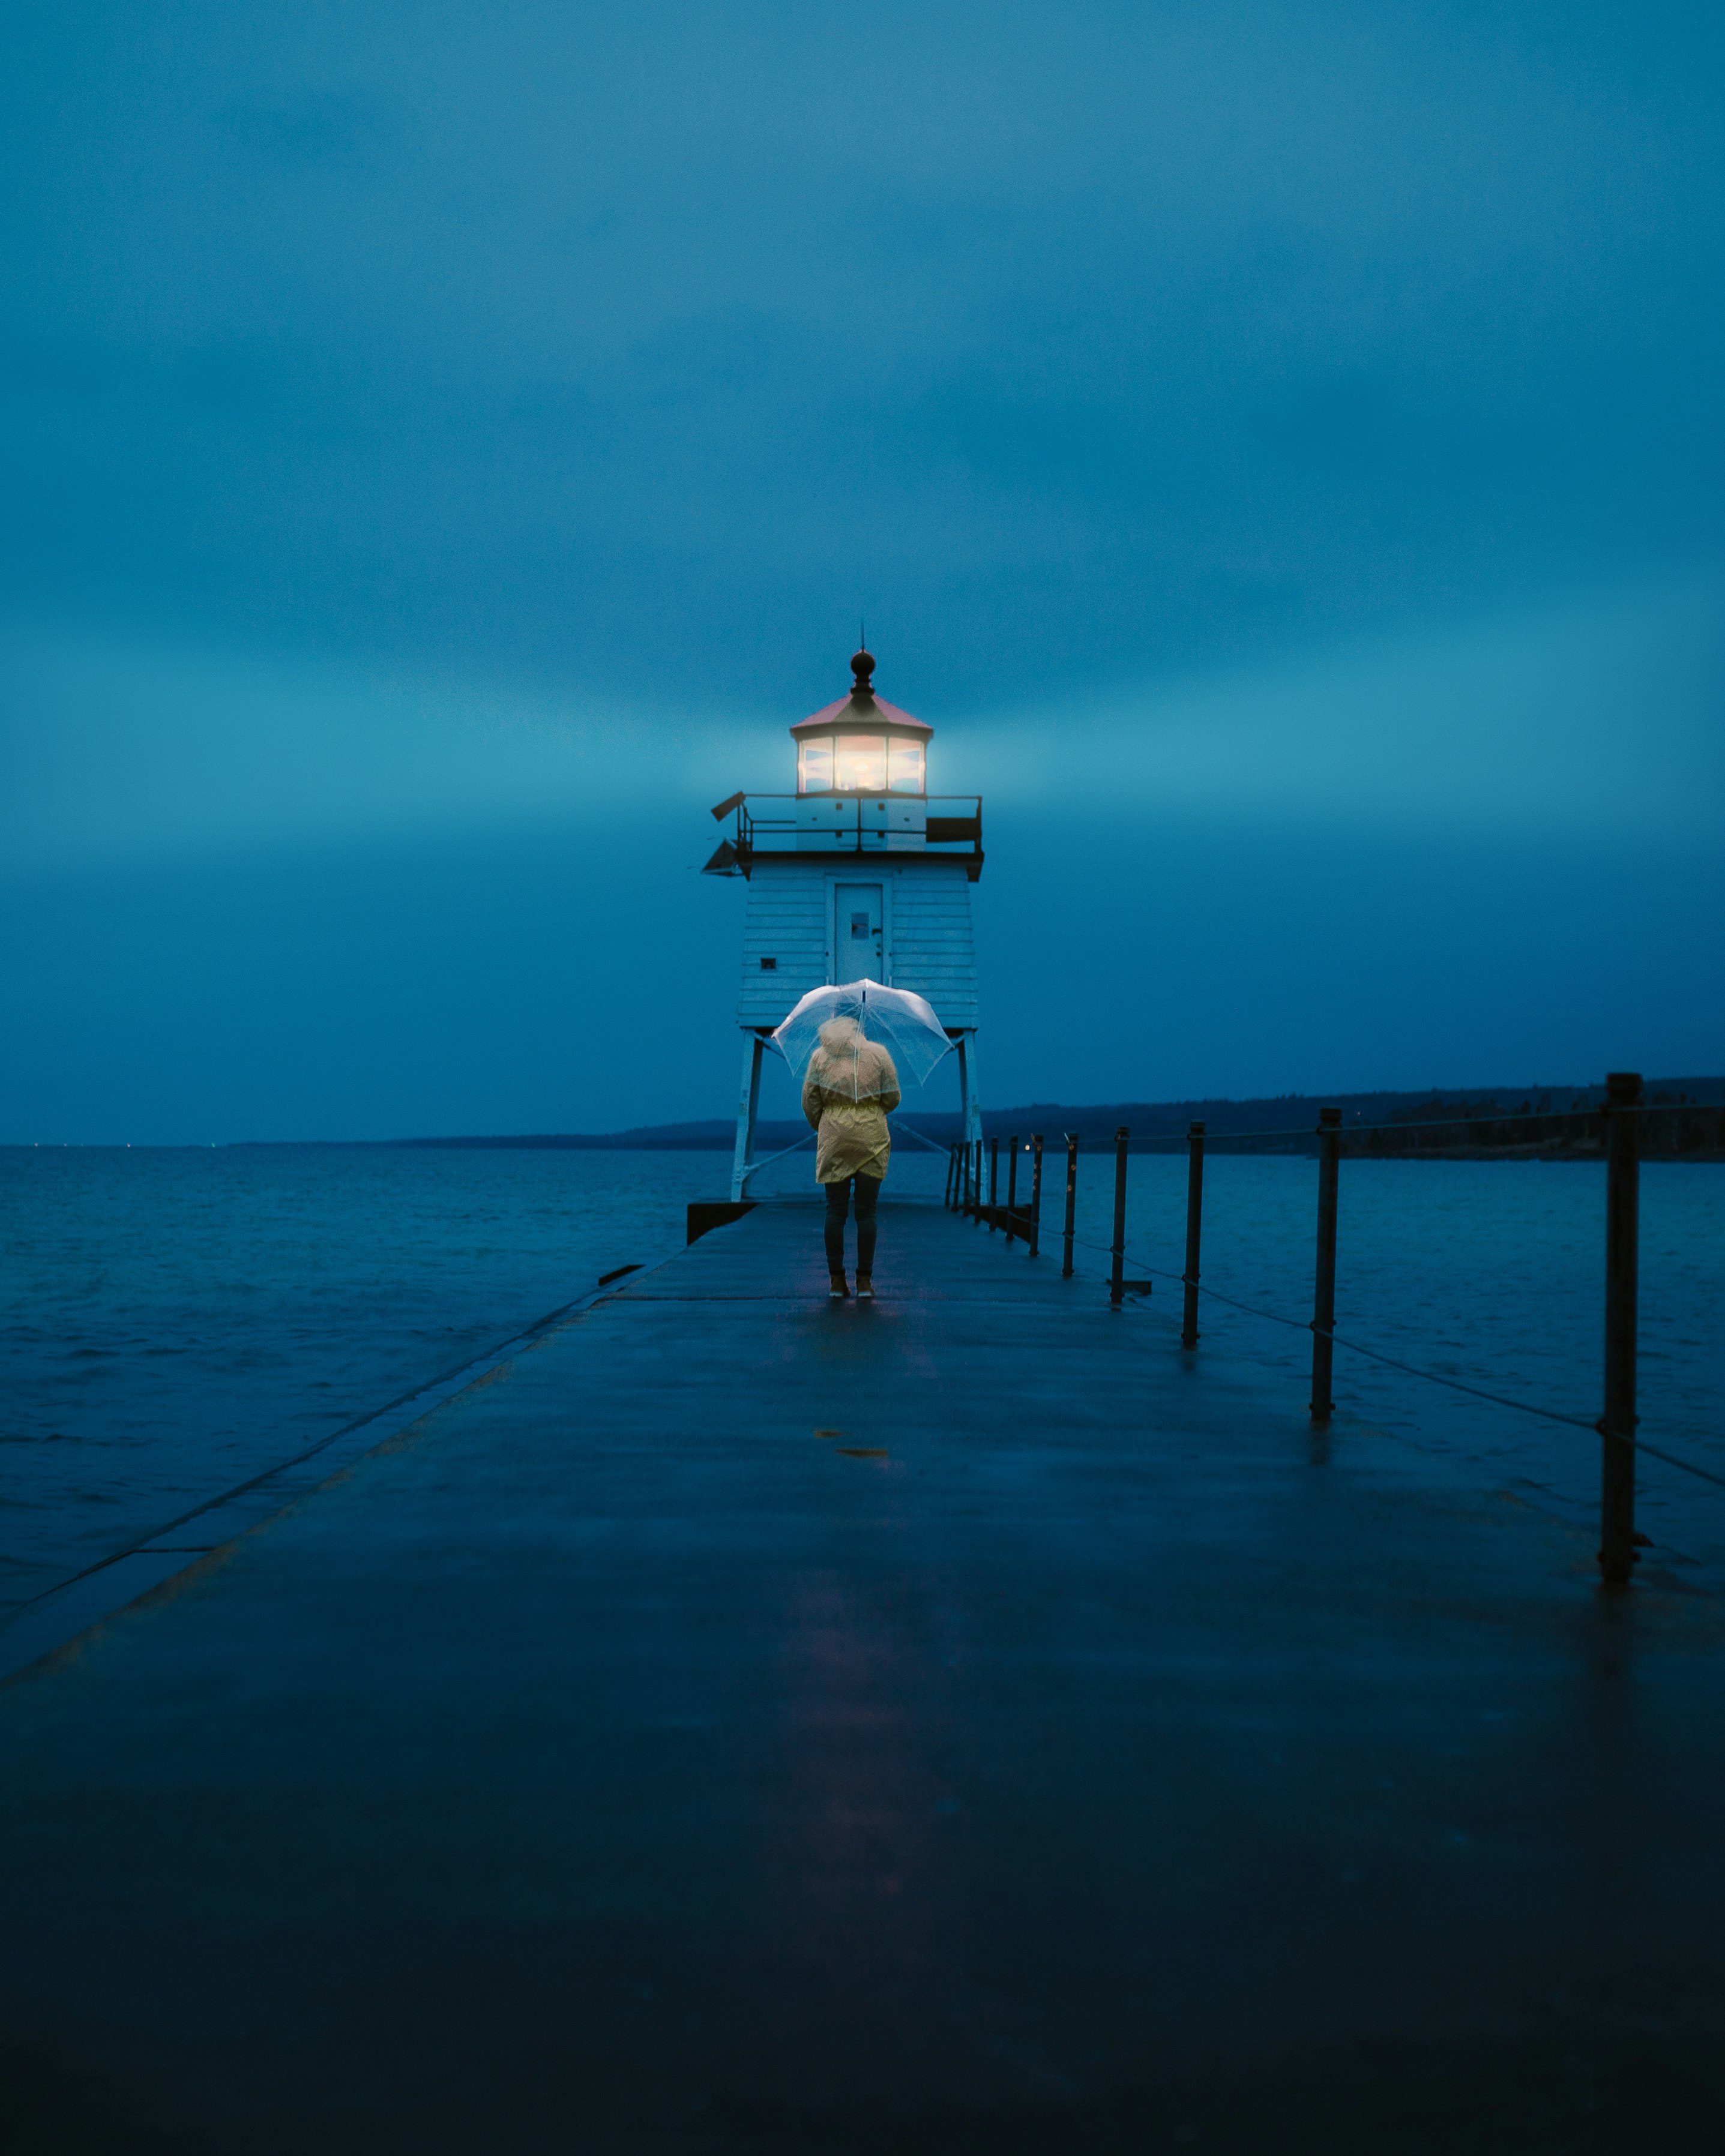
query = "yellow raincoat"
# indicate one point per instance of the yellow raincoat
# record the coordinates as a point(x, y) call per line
point(850, 1088)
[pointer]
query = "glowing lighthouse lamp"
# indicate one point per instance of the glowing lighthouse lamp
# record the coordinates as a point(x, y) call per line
point(860, 874)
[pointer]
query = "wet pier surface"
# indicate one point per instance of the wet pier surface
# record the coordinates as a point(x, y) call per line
point(740, 1723)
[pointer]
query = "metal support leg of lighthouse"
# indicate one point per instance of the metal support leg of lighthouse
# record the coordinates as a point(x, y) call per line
point(747, 1102)
point(971, 1098)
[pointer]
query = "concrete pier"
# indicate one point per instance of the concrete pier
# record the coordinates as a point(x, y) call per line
point(742, 1723)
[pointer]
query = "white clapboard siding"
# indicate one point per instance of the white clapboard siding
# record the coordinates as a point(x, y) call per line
point(929, 944)
point(933, 949)
point(786, 921)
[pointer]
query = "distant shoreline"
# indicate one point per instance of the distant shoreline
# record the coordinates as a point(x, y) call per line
point(1152, 1123)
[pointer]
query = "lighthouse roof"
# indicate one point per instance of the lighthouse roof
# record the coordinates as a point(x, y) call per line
point(862, 708)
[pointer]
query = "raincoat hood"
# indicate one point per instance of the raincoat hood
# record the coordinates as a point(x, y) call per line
point(848, 1063)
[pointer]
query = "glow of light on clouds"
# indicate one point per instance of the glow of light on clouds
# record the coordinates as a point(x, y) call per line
point(119, 752)
point(1600, 718)
point(1608, 717)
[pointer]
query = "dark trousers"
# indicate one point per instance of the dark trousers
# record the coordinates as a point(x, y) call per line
point(868, 1190)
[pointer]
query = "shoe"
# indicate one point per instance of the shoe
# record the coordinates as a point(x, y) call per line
point(838, 1290)
point(865, 1288)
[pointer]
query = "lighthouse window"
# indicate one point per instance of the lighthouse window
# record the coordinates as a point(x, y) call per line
point(861, 763)
point(814, 767)
point(904, 767)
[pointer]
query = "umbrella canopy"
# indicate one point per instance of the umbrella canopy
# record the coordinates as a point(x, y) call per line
point(902, 1024)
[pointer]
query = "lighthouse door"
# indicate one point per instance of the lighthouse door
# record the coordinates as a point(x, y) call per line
point(857, 932)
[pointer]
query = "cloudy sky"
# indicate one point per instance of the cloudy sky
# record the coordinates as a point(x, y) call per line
point(1279, 449)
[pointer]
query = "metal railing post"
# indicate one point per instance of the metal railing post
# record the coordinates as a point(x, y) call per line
point(1012, 1184)
point(1035, 1192)
point(1071, 1201)
point(1617, 1425)
point(1117, 1279)
point(993, 1183)
point(1323, 1314)
point(952, 1161)
point(1194, 1223)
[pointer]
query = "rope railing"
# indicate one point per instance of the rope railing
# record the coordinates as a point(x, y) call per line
point(1621, 1115)
point(1394, 1362)
point(1412, 1130)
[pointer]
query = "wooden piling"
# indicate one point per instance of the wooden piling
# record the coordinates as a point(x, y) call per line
point(1194, 1221)
point(1617, 1425)
point(1323, 1315)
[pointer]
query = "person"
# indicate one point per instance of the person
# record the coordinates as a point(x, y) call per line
point(850, 1089)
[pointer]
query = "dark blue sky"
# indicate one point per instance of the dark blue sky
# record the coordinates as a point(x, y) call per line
point(1278, 448)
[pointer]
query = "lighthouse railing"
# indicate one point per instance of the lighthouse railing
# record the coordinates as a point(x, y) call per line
point(861, 823)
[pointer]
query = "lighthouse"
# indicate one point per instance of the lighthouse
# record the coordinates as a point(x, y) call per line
point(860, 874)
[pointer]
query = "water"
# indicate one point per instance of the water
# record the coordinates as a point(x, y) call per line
point(174, 1322)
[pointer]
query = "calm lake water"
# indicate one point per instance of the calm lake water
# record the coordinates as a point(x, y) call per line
point(174, 1322)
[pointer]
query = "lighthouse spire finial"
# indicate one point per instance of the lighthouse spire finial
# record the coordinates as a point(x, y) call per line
point(862, 688)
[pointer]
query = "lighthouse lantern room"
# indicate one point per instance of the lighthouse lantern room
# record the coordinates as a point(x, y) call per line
point(860, 875)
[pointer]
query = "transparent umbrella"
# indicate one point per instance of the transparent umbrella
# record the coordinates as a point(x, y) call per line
point(893, 1018)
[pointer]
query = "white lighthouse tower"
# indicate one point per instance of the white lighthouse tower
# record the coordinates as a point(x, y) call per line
point(860, 875)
